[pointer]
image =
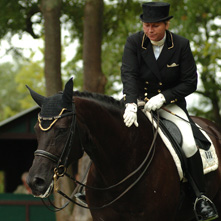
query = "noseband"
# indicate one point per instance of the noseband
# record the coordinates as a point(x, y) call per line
point(46, 154)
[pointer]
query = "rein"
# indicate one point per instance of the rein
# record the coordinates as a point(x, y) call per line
point(152, 149)
point(62, 163)
point(128, 176)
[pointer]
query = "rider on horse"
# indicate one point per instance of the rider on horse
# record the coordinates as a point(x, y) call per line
point(158, 67)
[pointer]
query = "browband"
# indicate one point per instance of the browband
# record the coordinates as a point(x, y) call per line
point(54, 118)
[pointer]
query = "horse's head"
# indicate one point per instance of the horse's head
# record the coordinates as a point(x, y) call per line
point(56, 135)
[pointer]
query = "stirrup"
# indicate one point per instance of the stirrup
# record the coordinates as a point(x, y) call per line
point(80, 198)
point(198, 217)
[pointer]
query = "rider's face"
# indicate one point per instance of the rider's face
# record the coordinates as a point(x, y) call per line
point(155, 31)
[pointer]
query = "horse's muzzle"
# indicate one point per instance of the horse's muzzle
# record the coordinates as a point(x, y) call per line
point(39, 187)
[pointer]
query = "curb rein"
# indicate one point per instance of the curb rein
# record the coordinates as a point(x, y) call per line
point(62, 163)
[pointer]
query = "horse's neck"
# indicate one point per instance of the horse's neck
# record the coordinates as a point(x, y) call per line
point(115, 149)
point(105, 130)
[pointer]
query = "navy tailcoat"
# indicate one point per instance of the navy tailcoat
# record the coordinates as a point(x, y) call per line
point(173, 74)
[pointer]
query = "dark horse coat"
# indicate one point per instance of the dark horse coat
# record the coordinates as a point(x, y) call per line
point(173, 74)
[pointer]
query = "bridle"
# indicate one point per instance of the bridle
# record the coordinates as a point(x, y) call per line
point(62, 162)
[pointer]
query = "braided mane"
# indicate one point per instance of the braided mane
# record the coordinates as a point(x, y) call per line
point(101, 98)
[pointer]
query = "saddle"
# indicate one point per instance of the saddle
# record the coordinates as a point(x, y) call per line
point(174, 135)
point(173, 132)
point(172, 138)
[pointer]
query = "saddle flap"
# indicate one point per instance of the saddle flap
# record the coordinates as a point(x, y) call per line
point(173, 130)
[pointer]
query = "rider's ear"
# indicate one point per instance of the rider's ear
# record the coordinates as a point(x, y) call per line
point(68, 92)
point(36, 97)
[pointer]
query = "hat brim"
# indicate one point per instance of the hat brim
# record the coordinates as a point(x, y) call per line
point(152, 20)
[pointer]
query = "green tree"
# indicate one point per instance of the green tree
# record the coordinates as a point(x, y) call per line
point(31, 74)
point(13, 93)
point(9, 104)
point(16, 17)
point(199, 21)
point(118, 21)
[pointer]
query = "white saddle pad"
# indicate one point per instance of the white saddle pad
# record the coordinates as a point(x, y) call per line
point(209, 158)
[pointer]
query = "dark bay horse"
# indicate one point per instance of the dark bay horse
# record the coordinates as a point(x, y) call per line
point(73, 122)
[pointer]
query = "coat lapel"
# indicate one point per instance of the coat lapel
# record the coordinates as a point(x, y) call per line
point(149, 58)
point(167, 52)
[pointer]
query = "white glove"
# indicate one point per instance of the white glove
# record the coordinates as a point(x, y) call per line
point(130, 115)
point(155, 103)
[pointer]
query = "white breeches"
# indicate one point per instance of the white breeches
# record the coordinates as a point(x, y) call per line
point(189, 146)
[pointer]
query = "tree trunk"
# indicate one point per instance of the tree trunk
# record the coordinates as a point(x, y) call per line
point(94, 79)
point(51, 10)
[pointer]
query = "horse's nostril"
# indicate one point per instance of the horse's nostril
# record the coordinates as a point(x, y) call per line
point(38, 181)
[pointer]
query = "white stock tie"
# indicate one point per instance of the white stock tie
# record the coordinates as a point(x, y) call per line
point(158, 46)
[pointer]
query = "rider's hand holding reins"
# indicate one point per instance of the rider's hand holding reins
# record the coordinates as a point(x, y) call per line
point(130, 115)
point(155, 103)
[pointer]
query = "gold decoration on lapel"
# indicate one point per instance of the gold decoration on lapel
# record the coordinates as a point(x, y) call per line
point(144, 35)
point(171, 41)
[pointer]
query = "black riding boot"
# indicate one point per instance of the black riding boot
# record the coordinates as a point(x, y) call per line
point(204, 208)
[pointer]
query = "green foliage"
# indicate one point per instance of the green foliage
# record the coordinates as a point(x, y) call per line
point(72, 14)
point(30, 74)
point(199, 21)
point(195, 20)
point(14, 95)
point(16, 16)
point(120, 20)
point(9, 98)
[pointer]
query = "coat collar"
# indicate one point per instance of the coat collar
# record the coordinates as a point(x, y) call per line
point(169, 41)
point(148, 55)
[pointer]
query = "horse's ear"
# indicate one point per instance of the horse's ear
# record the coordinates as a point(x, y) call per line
point(68, 92)
point(36, 97)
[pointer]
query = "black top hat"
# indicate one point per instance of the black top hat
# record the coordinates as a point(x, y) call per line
point(155, 12)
